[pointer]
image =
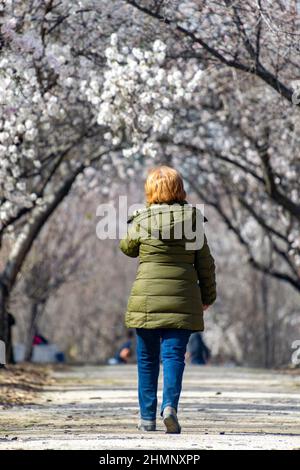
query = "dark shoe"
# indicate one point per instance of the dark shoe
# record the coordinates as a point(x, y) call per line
point(170, 420)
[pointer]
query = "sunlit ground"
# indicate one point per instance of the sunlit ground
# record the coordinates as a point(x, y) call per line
point(96, 408)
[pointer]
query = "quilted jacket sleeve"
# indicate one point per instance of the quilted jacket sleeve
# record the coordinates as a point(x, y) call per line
point(205, 267)
point(131, 242)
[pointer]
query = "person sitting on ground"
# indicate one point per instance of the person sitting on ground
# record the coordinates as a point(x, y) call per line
point(39, 339)
point(124, 353)
point(197, 351)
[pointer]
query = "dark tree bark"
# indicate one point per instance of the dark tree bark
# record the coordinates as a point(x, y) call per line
point(3, 313)
point(35, 311)
point(266, 321)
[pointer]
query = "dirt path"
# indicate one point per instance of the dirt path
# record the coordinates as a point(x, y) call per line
point(221, 408)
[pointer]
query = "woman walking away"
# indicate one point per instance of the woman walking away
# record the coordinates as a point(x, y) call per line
point(175, 283)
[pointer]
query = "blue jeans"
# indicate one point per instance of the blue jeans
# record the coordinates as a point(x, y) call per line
point(172, 343)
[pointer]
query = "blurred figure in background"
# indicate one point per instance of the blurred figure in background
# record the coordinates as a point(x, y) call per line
point(197, 351)
point(39, 339)
point(124, 352)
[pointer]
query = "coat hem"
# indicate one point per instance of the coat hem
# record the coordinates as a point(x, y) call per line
point(154, 323)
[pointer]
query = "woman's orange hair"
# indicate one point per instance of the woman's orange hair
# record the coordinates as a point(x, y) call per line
point(164, 184)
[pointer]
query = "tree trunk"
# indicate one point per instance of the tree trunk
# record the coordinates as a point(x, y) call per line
point(266, 324)
point(4, 327)
point(35, 311)
point(22, 246)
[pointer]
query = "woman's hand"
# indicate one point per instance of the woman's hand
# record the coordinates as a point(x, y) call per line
point(205, 307)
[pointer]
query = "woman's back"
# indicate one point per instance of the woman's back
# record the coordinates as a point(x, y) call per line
point(173, 255)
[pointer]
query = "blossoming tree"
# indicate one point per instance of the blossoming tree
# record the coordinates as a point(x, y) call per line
point(63, 95)
point(91, 84)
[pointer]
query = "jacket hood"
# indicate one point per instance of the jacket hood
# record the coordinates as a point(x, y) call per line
point(167, 220)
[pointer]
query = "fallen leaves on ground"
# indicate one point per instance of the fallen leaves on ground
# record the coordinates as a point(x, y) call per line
point(21, 383)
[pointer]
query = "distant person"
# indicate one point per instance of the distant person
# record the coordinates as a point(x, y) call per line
point(38, 339)
point(124, 352)
point(197, 351)
point(175, 283)
point(6, 350)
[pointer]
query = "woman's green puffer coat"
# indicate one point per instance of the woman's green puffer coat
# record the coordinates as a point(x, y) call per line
point(172, 282)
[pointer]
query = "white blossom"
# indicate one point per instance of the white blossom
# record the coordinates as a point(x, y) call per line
point(138, 94)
